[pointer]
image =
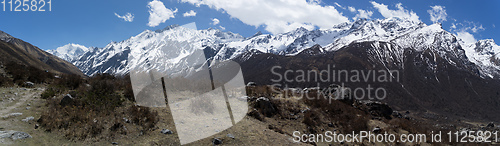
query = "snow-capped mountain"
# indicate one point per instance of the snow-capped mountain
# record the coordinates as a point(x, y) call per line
point(485, 54)
point(390, 37)
point(69, 52)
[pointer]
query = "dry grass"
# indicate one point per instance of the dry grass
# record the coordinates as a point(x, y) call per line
point(99, 109)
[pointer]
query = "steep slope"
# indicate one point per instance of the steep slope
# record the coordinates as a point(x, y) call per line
point(14, 49)
point(426, 83)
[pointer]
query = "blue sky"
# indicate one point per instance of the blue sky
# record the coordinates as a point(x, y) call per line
point(94, 23)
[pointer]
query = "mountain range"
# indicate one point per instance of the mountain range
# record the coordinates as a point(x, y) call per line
point(398, 33)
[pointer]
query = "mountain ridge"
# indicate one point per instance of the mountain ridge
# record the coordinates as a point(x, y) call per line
point(227, 45)
point(21, 52)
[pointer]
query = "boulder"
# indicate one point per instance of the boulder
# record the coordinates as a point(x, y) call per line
point(27, 119)
point(67, 100)
point(379, 109)
point(216, 141)
point(29, 84)
point(265, 106)
point(20, 135)
point(166, 131)
point(490, 125)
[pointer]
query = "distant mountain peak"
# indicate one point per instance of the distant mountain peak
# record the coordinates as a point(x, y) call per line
point(70, 51)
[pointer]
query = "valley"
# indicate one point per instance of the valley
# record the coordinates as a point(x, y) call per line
point(384, 76)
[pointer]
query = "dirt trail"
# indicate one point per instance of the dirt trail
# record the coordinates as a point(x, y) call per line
point(30, 93)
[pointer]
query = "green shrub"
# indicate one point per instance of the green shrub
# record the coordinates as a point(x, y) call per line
point(49, 93)
point(4, 81)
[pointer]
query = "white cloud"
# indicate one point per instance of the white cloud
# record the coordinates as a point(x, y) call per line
point(278, 16)
point(340, 6)
point(493, 25)
point(223, 28)
point(189, 13)
point(466, 26)
point(127, 17)
point(158, 13)
point(360, 13)
point(438, 13)
point(401, 12)
point(465, 30)
point(352, 9)
point(453, 26)
point(363, 14)
point(466, 37)
point(215, 21)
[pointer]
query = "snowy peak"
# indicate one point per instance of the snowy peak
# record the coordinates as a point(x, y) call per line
point(487, 47)
point(69, 52)
point(395, 35)
point(486, 55)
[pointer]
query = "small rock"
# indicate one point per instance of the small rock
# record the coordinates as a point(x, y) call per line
point(230, 136)
point(251, 84)
point(28, 108)
point(216, 141)
point(36, 126)
point(490, 125)
point(114, 143)
point(126, 120)
point(20, 135)
point(166, 131)
point(376, 130)
point(330, 124)
point(28, 104)
point(27, 119)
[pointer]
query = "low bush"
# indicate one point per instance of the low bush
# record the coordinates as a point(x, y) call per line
point(97, 108)
point(349, 118)
point(143, 116)
point(49, 93)
point(22, 73)
point(4, 81)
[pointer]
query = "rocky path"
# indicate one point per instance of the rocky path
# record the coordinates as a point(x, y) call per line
point(19, 99)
